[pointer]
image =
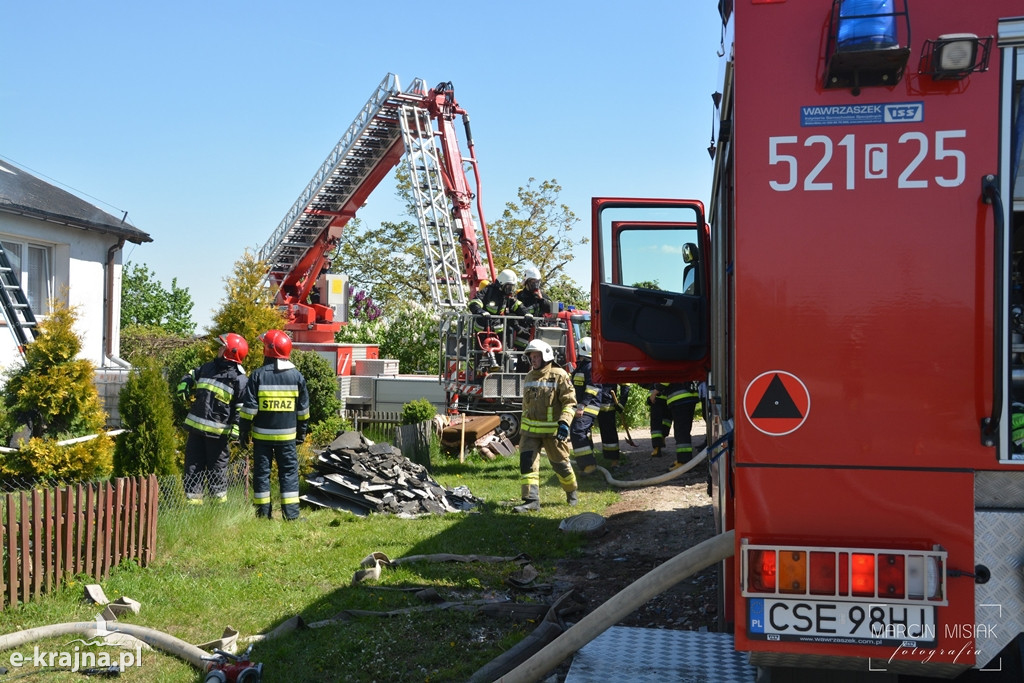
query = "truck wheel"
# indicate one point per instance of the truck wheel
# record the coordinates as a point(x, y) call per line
point(510, 425)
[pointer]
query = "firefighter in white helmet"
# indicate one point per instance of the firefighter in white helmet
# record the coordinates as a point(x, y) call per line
point(490, 305)
point(497, 298)
point(549, 403)
point(532, 305)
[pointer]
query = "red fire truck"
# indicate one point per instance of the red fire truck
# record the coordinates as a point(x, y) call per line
point(854, 299)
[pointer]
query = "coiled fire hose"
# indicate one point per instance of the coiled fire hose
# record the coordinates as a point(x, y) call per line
point(654, 582)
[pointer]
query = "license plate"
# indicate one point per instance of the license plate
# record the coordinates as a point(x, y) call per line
point(849, 623)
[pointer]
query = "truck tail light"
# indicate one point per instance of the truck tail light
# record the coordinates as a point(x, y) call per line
point(908, 576)
point(762, 573)
point(862, 574)
point(793, 572)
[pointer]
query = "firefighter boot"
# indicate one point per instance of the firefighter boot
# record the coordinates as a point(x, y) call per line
point(531, 499)
point(571, 498)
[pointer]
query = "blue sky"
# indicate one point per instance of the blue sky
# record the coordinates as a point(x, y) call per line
point(205, 120)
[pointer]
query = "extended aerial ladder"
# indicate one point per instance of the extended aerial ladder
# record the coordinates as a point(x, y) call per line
point(393, 123)
point(17, 311)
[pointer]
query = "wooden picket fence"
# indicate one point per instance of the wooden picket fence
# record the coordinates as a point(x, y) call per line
point(48, 535)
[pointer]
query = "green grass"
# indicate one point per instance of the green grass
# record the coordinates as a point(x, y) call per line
point(218, 566)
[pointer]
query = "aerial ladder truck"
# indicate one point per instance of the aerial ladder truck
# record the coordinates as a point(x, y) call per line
point(418, 124)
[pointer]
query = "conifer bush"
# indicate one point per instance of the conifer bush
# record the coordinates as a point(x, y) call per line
point(54, 389)
point(148, 447)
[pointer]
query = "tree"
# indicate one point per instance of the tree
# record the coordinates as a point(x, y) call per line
point(247, 308)
point(536, 229)
point(148, 447)
point(385, 262)
point(146, 303)
point(54, 390)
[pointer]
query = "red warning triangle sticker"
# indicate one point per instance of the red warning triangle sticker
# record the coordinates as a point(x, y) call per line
point(776, 402)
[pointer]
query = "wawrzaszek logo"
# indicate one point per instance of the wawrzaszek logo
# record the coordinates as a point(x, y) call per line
point(908, 112)
point(76, 659)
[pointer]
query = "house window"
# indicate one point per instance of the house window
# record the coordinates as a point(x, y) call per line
point(33, 266)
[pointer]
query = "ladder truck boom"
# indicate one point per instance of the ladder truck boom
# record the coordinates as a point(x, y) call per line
point(393, 124)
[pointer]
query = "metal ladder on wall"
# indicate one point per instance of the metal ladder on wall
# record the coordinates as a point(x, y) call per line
point(17, 311)
point(388, 115)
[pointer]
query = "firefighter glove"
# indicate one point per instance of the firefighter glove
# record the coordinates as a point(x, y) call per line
point(563, 432)
point(528, 317)
point(233, 436)
point(243, 434)
point(300, 433)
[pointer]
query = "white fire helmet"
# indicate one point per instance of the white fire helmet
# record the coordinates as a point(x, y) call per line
point(546, 353)
point(585, 347)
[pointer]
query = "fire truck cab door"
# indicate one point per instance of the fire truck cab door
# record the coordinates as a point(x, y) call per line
point(650, 312)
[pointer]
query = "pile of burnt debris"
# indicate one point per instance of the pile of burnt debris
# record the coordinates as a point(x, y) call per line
point(361, 476)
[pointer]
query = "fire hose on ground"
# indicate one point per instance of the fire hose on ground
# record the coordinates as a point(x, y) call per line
point(157, 639)
point(660, 479)
point(654, 582)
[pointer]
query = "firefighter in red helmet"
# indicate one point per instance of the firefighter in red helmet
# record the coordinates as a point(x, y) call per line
point(212, 419)
point(275, 414)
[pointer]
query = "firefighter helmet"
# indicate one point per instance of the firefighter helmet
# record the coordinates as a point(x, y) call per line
point(546, 352)
point(531, 274)
point(585, 347)
point(276, 344)
point(233, 347)
point(508, 280)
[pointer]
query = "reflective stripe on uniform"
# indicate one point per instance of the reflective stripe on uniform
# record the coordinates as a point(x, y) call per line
point(264, 434)
point(209, 426)
point(261, 497)
point(531, 478)
point(681, 395)
point(289, 497)
point(222, 392)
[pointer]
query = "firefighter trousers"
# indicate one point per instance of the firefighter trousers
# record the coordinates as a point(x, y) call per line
point(582, 437)
point(264, 454)
point(206, 464)
point(558, 453)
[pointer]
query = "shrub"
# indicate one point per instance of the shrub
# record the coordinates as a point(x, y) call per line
point(417, 411)
point(54, 389)
point(322, 384)
point(148, 447)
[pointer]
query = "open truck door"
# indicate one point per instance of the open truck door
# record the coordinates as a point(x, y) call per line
point(650, 310)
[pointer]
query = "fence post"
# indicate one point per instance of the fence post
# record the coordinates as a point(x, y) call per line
point(26, 556)
point(82, 496)
point(59, 506)
point(153, 510)
point(12, 552)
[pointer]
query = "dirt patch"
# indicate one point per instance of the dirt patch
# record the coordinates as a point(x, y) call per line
point(647, 527)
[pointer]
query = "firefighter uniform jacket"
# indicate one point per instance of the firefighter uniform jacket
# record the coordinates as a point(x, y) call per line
point(548, 398)
point(589, 396)
point(275, 403)
point(218, 387)
point(494, 301)
point(532, 302)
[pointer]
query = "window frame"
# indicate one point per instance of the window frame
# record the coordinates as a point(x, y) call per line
point(28, 274)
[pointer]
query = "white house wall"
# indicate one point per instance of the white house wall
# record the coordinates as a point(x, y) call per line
point(79, 258)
